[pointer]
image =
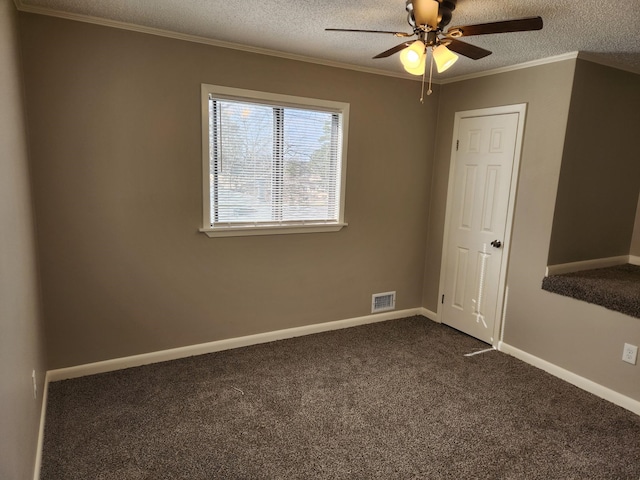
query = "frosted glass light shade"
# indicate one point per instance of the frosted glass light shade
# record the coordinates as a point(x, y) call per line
point(412, 55)
point(444, 58)
point(419, 69)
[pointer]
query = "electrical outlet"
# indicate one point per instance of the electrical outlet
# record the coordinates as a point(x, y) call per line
point(630, 353)
point(35, 385)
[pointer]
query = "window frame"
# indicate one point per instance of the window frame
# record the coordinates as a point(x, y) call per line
point(279, 100)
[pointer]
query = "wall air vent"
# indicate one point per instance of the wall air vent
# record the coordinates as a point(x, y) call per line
point(381, 302)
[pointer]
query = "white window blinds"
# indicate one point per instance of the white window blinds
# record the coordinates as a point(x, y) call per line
point(272, 164)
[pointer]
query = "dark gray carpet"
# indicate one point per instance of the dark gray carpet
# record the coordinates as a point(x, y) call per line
point(393, 400)
point(616, 288)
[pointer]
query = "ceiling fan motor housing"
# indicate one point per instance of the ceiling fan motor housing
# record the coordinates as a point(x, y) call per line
point(445, 12)
point(445, 9)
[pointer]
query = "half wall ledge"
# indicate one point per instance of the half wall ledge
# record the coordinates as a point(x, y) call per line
point(616, 288)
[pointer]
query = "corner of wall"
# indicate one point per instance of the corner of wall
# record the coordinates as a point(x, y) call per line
point(21, 342)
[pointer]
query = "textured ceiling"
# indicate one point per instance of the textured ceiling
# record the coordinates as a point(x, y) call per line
point(603, 30)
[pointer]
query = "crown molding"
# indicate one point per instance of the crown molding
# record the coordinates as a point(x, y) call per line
point(206, 41)
point(302, 58)
point(519, 66)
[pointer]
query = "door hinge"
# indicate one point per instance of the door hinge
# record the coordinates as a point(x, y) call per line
point(442, 299)
point(457, 145)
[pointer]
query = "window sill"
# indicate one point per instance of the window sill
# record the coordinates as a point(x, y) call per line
point(272, 229)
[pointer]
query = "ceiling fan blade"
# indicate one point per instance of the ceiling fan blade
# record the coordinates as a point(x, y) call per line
point(425, 12)
point(468, 50)
point(397, 34)
point(391, 51)
point(517, 25)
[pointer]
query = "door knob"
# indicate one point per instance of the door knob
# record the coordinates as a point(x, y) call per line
point(496, 243)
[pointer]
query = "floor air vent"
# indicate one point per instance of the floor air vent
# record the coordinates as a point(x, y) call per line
point(381, 302)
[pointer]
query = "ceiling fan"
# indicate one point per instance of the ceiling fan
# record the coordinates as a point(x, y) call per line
point(428, 18)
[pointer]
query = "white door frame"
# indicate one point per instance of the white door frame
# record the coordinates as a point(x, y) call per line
point(521, 109)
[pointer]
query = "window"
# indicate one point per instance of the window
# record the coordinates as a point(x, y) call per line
point(272, 163)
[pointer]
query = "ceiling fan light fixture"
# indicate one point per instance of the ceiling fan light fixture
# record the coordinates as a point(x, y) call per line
point(444, 58)
point(412, 56)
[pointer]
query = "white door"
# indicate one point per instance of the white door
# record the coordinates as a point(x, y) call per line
point(485, 148)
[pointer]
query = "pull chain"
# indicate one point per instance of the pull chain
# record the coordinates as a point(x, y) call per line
point(422, 91)
point(429, 91)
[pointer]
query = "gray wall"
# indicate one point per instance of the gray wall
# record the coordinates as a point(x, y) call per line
point(114, 120)
point(20, 331)
point(600, 176)
point(580, 337)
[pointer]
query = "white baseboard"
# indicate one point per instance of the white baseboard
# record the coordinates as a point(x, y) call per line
point(561, 268)
point(572, 378)
point(220, 345)
point(634, 260)
point(429, 314)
